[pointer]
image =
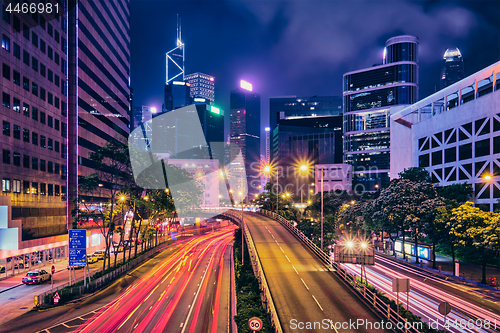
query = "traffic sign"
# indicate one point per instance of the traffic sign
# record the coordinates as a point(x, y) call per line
point(56, 298)
point(36, 300)
point(53, 269)
point(444, 308)
point(77, 247)
point(255, 324)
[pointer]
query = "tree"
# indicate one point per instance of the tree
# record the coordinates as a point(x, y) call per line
point(474, 228)
point(458, 192)
point(415, 174)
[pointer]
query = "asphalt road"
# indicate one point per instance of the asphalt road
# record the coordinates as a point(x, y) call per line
point(183, 289)
point(302, 289)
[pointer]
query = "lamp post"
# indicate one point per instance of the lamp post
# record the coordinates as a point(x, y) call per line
point(268, 170)
point(242, 231)
point(321, 169)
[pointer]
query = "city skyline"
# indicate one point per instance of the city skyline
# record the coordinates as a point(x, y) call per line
point(283, 53)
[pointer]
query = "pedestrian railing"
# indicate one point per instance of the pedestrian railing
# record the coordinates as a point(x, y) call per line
point(258, 271)
point(369, 297)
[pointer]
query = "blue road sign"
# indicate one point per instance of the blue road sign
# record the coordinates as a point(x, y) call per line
point(173, 234)
point(77, 247)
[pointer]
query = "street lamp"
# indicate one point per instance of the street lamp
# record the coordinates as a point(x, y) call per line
point(487, 178)
point(167, 190)
point(268, 170)
point(321, 169)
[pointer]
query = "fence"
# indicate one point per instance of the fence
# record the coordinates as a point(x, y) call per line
point(259, 272)
point(369, 297)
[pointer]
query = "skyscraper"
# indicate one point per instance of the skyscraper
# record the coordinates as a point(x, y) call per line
point(453, 67)
point(98, 83)
point(369, 94)
point(293, 106)
point(177, 95)
point(245, 132)
point(202, 87)
point(34, 123)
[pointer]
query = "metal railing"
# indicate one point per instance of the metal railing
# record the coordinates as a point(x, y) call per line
point(383, 309)
point(258, 271)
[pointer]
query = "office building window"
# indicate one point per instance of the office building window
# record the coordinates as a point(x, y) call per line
point(50, 167)
point(50, 98)
point(42, 94)
point(34, 63)
point(16, 159)
point(5, 185)
point(43, 70)
point(6, 100)
point(26, 83)
point(43, 188)
point(56, 147)
point(42, 141)
point(34, 114)
point(16, 186)
point(57, 190)
point(26, 110)
point(16, 105)
point(26, 57)
point(26, 32)
point(42, 117)
point(50, 189)
point(17, 24)
point(6, 128)
point(57, 168)
point(50, 53)
point(56, 58)
point(34, 38)
point(63, 129)
point(34, 89)
point(56, 123)
point(50, 75)
point(26, 161)
point(6, 71)
point(17, 78)
point(26, 187)
point(34, 163)
point(49, 121)
point(5, 14)
point(26, 135)
point(6, 156)
point(17, 51)
point(42, 22)
point(50, 30)
point(34, 138)
point(57, 80)
point(17, 132)
point(56, 102)
point(6, 43)
point(63, 172)
point(43, 165)
point(50, 144)
point(34, 188)
point(42, 45)
point(56, 36)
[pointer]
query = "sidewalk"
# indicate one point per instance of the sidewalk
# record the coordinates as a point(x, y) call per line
point(469, 272)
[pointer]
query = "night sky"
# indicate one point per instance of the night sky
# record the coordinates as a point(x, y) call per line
point(302, 47)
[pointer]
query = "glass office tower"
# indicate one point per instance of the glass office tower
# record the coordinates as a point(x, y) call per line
point(368, 96)
point(453, 67)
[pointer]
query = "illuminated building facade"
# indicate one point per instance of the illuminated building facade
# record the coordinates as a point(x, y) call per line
point(370, 96)
point(455, 135)
point(202, 87)
point(245, 132)
point(453, 67)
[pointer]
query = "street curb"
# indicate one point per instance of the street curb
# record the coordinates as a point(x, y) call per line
point(18, 285)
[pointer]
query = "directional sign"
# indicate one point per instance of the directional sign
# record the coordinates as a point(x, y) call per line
point(77, 247)
point(444, 308)
point(255, 324)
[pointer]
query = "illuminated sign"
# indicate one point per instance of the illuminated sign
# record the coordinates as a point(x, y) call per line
point(246, 85)
point(197, 99)
point(212, 79)
point(267, 129)
point(214, 109)
point(179, 83)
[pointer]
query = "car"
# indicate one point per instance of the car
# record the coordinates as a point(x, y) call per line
point(91, 258)
point(36, 276)
point(100, 254)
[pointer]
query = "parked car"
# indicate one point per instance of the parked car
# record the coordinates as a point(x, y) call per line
point(36, 276)
point(91, 258)
point(100, 254)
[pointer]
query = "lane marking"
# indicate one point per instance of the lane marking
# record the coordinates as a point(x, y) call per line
point(295, 269)
point(182, 324)
point(282, 250)
point(318, 303)
point(287, 258)
point(305, 284)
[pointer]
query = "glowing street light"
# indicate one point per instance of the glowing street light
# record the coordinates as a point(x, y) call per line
point(167, 190)
point(146, 198)
point(350, 244)
point(353, 202)
point(487, 178)
point(122, 198)
point(153, 110)
point(309, 202)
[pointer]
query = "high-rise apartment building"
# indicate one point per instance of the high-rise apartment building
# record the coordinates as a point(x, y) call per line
point(453, 67)
point(245, 133)
point(98, 83)
point(202, 87)
point(292, 106)
point(34, 121)
point(369, 96)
